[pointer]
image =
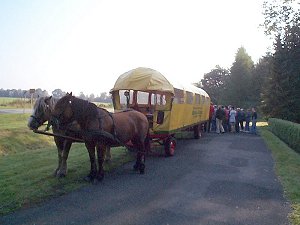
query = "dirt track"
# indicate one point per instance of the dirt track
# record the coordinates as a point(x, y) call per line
point(219, 179)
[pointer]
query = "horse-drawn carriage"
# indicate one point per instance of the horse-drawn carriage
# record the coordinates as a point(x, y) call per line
point(169, 107)
point(160, 109)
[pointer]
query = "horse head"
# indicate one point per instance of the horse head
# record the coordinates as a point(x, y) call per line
point(62, 115)
point(41, 112)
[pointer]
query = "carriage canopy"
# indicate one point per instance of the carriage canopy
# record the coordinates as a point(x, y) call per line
point(146, 79)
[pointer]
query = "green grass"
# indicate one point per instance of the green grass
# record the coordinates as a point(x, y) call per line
point(6, 102)
point(28, 161)
point(287, 166)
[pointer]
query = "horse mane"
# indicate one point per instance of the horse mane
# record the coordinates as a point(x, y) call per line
point(40, 104)
point(85, 108)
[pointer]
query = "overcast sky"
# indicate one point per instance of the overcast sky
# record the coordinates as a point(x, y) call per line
point(84, 46)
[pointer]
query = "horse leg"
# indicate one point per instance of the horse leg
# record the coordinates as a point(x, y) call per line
point(93, 172)
point(65, 153)
point(107, 153)
point(59, 145)
point(140, 158)
point(100, 153)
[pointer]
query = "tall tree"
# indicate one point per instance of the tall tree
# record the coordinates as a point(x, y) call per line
point(281, 97)
point(58, 93)
point(214, 83)
point(260, 75)
point(239, 86)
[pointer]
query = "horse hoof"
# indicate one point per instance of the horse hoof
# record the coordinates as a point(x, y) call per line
point(100, 177)
point(136, 166)
point(142, 169)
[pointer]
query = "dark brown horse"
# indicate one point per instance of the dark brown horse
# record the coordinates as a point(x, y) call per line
point(42, 110)
point(101, 128)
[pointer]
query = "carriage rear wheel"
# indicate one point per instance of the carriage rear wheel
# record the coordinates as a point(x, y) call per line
point(170, 145)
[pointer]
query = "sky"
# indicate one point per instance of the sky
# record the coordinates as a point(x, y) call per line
point(84, 46)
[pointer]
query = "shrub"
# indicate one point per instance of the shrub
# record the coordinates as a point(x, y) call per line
point(287, 131)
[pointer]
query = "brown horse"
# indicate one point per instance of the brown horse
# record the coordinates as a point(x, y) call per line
point(101, 128)
point(42, 110)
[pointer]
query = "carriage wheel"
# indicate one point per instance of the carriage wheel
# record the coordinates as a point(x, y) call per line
point(197, 131)
point(170, 145)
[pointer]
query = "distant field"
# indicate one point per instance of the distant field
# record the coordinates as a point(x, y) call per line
point(12, 103)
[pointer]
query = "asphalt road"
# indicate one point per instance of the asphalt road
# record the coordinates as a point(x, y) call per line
point(219, 179)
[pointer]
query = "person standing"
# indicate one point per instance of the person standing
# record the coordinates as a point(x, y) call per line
point(237, 120)
point(213, 120)
point(232, 115)
point(226, 119)
point(220, 114)
point(248, 119)
point(211, 113)
point(254, 120)
point(242, 119)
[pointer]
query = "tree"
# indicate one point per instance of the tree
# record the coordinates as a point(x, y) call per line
point(92, 97)
point(281, 98)
point(260, 75)
point(58, 93)
point(82, 96)
point(239, 84)
point(279, 14)
point(214, 83)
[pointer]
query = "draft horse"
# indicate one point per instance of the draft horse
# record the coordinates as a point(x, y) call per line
point(41, 113)
point(101, 128)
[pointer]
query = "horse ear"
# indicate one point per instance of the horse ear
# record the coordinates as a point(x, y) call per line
point(47, 100)
point(71, 93)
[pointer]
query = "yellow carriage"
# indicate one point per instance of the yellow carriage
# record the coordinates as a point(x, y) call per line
point(169, 107)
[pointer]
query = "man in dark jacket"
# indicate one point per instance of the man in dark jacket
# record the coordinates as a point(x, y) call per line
point(220, 114)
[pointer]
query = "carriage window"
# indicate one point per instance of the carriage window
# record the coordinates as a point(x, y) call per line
point(197, 99)
point(189, 97)
point(203, 100)
point(179, 97)
point(207, 100)
point(123, 98)
point(158, 99)
point(142, 97)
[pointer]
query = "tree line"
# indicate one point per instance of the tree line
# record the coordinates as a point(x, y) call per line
point(58, 93)
point(273, 83)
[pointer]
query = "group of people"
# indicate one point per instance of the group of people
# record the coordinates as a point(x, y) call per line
point(228, 119)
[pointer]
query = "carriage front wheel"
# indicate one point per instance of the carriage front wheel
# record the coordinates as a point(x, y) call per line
point(170, 145)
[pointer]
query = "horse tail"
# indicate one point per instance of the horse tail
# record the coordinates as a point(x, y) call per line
point(147, 142)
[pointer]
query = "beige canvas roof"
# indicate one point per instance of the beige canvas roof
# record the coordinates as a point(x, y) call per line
point(146, 79)
point(143, 79)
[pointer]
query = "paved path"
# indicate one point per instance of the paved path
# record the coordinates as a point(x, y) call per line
point(219, 179)
point(15, 111)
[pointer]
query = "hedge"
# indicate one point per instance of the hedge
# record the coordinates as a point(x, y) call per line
point(287, 131)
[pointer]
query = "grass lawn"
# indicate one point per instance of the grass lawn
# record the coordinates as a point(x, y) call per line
point(13, 103)
point(287, 166)
point(28, 160)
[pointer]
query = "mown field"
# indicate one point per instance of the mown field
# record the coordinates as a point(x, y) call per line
point(28, 160)
point(6, 102)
